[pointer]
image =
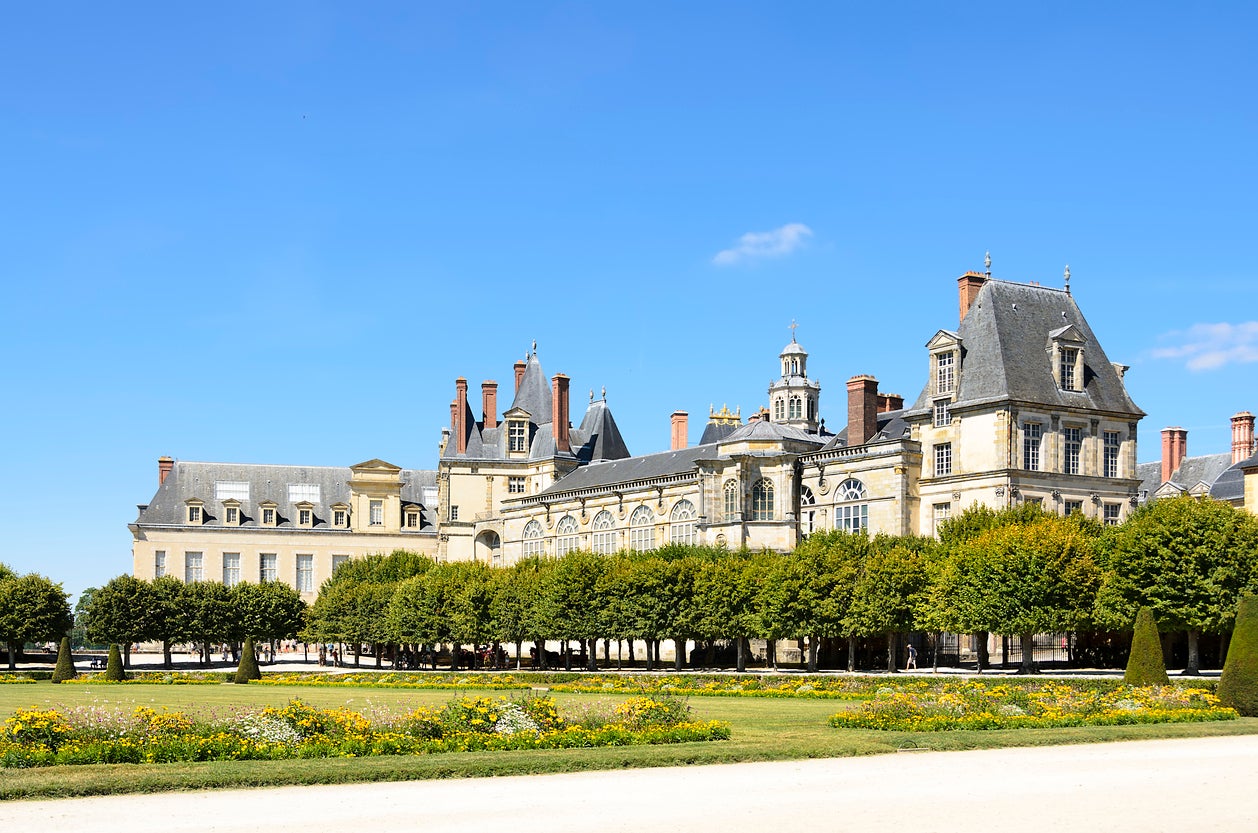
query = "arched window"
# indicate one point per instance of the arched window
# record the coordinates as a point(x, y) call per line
point(732, 503)
point(807, 512)
point(853, 512)
point(682, 523)
point(779, 409)
point(566, 535)
point(642, 529)
point(534, 542)
point(797, 408)
point(812, 408)
point(603, 539)
point(762, 501)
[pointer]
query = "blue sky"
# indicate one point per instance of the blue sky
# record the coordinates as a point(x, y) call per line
point(277, 233)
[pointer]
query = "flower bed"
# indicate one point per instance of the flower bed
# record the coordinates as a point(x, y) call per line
point(978, 705)
point(403, 679)
point(153, 678)
point(15, 678)
point(34, 737)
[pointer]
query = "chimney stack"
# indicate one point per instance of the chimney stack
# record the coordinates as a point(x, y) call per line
point(166, 464)
point(862, 409)
point(1174, 450)
point(519, 374)
point(460, 416)
point(680, 429)
point(888, 402)
point(969, 285)
point(489, 403)
point(559, 412)
point(1242, 436)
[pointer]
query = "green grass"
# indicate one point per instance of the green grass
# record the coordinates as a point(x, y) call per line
point(763, 730)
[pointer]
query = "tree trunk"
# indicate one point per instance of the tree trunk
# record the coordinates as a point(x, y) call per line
point(205, 654)
point(375, 649)
point(12, 657)
point(454, 656)
point(851, 653)
point(742, 654)
point(591, 662)
point(892, 651)
point(166, 660)
point(935, 638)
point(1028, 665)
point(607, 652)
point(126, 655)
point(812, 654)
point(679, 652)
point(358, 649)
point(1194, 654)
point(771, 653)
point(980, 650)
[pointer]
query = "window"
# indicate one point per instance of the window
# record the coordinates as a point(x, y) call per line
point(233, 516)
point(300, 492)
point(603, 541)
point(534, 543)
point(159, 563)
point(231, 490)
point(941, 514)
point(1072, 506)
point(338, 560)
point(515, 485)
point(762, 501)
point(797, 408)
point(1069, 357)
point(1109, 461)
point(1032, 436)
point(943, 459)
point(943, 413)
point(517, 435)
point(339, 518)
point(194, 513)
point(305, 517)
point(193, 567)
point(731, 499)
point(375, 513)
point(231, 568)
point(1074, 443)
point(853, 515)
point(454, 512)
point(642, 529)
point(1112, 512)
point(412, 519)
point(566, 539)
point(305, 573)
point(779, 409)
point(268, 569)
point(268, 514)
point(807, 514)
point(945, 377)
point(682, 523)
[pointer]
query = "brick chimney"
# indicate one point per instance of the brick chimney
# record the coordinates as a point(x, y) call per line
point(460, 415)
point(1242, 436)
point(680, 429)
point(969, 285)
point(519, 374)
point(166, 464)
point(489, 403)
point(862, 409)
point(1174, 450)
point(890, 402)
point(559, 411)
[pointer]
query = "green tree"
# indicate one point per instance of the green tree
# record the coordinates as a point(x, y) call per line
point(247, 669)
point(571, 602)
point(65, 663)
point(1187, 559)
point(726, 597)
point(1238, 685)
point(889, 591)
point(114, 672)
point(268, 611)
point(1145, 665)
point(122, 611)
point(209, 615)
point(169, 615)
point(32, 608)
point(81, 607)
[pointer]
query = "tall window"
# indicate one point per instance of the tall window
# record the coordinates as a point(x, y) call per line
point(943, 412)
point(534, 543)
point(454, 512)
point(1068, 359)
point(1032, 437)
point(268, 516)
point(305, 573)
point(732, 502)
point(1110, 459)
point(338, 560)
point(807, 511)
point(941, 513)
point(339, 517)
point(853, 514)
point(305, 517)
point(233, 516)
point(603, 537)
point(779, 409)
point(1073, 445)
point(762, 501)
point(1070, 507)
point(1111, 513)
point(642, 529)
point(682, 523)
point(566, 539)
point(268, 569)
point(375, 514)
point(159, 563)
point(194, 514)
point(193, 567)
point(797, 408)
point(517, 435)
point(945, 373)
point(515, 485)
point(943, 459)
point(231, 568)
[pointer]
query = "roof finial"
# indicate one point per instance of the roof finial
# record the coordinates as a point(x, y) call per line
point(1067, 278)
point(591, 396)
point(793, 326)
point(534, 347)
point(604, 393)
point(987, 263)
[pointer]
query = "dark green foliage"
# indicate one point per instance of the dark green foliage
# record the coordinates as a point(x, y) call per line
point(1238, 686)
point(1146, 665)
point(32, 608)
point(113, 668)
point(248, 668)
point(65, 662)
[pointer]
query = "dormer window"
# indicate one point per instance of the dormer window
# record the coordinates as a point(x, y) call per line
point(945, 373)
point(411, 520)
point(196, 512)
point(231, 513)
point(268, 513)
point(305, 514)
point(340, 516)
point(517, 435)
point(1065, 347)
point(1067, 370)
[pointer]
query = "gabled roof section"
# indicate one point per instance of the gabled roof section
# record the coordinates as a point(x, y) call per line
point(1068, 333)
point(534, 393)
point(891, 426)
point(598, 437)
point(613, 472)
point(376, 464)
point(1212, 470)
point(941, 338)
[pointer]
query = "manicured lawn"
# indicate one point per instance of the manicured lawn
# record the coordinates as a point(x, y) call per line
point(763, 729)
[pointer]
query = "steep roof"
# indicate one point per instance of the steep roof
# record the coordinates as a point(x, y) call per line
point(534, 394)
point(598, 437)
point(891, 426)
point(612, 472)
point(1003, 340)
point(1207, 469)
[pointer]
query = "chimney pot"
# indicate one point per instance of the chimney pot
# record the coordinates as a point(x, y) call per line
point(680, 426)
point(969, 286)
point(519, 374)
point(862, 409)
point(1242, 436)
point(559, 412)
point(164, 467)
point(489, 403)
point(460, 416)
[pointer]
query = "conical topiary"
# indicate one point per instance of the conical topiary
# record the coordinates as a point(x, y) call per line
point(113, 668)
point(65, 662)
point(1145, 665)
point(1238, 686)
point(248, 668)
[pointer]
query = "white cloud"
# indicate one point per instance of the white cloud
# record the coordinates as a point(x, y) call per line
point(755, 245)
point(1211, 346)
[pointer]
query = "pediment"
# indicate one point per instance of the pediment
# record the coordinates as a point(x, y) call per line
point(375, 466)
point(943, 338)
point(1069, 333)
point(517, 413)
point(1168, 489)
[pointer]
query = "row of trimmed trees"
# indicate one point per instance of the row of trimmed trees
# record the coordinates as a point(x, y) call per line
point(33, 608)
point(1016, 572)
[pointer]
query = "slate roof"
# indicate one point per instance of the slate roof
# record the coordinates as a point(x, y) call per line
point(766, 430)
point(715, 432)
point(598, 437)
point(1003, 340)
point(612, 472)
point(891, 426)
point(1206, 469)
point(189, 480)
point(534, 394)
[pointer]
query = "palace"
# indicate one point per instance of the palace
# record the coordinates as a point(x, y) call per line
point(1020, 404)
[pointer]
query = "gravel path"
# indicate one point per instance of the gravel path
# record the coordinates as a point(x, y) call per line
point(1166, 785)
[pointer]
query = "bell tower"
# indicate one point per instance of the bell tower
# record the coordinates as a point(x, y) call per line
point(795, 399)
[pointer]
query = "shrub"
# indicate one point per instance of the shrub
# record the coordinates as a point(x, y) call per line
point(1238, 685)
point(113, 668)
point(65, 662)
point(1145, 665)
point(653, 712)
point(248, 668)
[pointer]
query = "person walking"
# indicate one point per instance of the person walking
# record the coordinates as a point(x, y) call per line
point(912, 661)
